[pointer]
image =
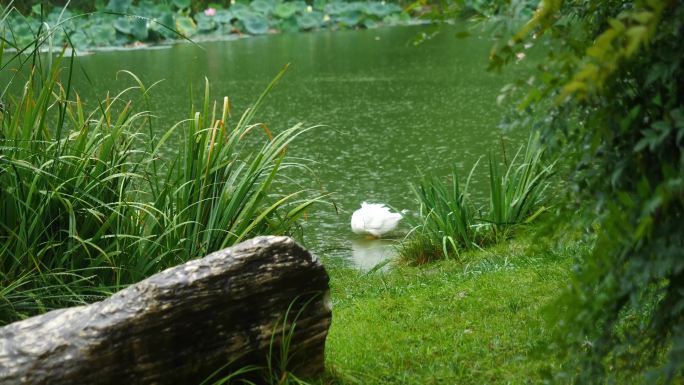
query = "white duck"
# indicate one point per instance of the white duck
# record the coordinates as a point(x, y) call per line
point(374, 219)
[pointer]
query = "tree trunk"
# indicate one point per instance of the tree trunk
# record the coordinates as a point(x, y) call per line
point(181, 325)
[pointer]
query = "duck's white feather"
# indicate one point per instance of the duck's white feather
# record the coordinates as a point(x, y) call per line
point(374, 219)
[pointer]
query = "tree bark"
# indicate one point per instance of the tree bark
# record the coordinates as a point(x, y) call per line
point(181, 325)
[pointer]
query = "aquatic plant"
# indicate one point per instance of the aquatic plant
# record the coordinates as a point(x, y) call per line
point(446, 221)
point(92, 200)
point(517, 195)
point(123, 22)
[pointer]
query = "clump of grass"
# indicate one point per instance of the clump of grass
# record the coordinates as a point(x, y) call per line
point(518, 195)
point(90, 201)
point(448, 221)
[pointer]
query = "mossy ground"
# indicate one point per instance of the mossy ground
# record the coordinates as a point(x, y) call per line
point(477, 320)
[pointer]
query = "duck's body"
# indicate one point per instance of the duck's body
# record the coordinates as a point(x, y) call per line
point(374, 219)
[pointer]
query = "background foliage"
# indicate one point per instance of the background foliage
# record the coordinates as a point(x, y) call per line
point(609, 99)
point(123, 22)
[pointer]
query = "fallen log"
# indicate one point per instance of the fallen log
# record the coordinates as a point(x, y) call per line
point(182, 324)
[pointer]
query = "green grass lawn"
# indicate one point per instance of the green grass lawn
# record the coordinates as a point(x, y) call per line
point(474, 321)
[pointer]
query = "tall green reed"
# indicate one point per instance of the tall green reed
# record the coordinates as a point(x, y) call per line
point(518, 195)
point(448, 221)
point(90, 200)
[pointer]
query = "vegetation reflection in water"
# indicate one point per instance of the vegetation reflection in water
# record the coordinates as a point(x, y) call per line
point(392, 110)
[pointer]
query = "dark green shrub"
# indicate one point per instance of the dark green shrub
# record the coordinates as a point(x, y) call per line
point(611, 91)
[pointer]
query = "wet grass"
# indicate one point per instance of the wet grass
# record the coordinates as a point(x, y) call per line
point(449, 222)
point(474, 321)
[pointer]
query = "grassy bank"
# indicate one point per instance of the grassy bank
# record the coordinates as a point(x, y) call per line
point(478, 320)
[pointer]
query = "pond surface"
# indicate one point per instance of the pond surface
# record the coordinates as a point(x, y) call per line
point(392, 111)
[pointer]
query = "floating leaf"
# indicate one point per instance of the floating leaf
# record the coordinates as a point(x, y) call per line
point(140, 31)
point(164, 25)
point(370, 23)
point(288, 25)
point(205, 23)
point(263, 7)
point(319, 5)
point(22, 33)
point(337, 8)
point(181, 4)
point(284, 10)
point(224, 16)
point(397, 19)
point(119, 6)
point(134, 26)
point(102, 34)
point(300, 5)
point(79, 40)
point(186, 26)
point(241, 11)
point(123, 25)
point(255, 24)
point(309, 21)
point(378, 9)
point(351, 19)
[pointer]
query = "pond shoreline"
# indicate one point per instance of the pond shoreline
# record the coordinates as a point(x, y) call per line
point(169, 43)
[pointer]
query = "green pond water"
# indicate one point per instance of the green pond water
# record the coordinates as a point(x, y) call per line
point(392, 111)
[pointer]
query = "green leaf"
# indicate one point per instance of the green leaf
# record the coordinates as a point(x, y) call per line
point(224, 16)
point(205, 23)
point(186, 26)
point(309, 21)
point(288, 25)
point(119, 6)
point(351, 19)
point(124, 25)
point(263, 7)
point(181, 4)
point(102, 34)
point(255, 24)
point(134, 26)
point(370, 23)
point(284, 10)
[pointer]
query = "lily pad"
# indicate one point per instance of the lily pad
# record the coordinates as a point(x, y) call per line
point(370, 23)
point(181, 4)
point(284, 10)
point(319, 5)
point(205, 23)
point(310, 21)
point(397, 19)
point(380, 9)
point(350, 19)
point(22, 34)
point(300, 5)
point(263, 7)
point(288, 25)
point(101, 34)
point(134, 26)
point(186, 26)
point(255, 24)
point(224, 16)
point(337, 8)
point(79, 40)
point(241, 11)
point(164, 24)
point(118, 6)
